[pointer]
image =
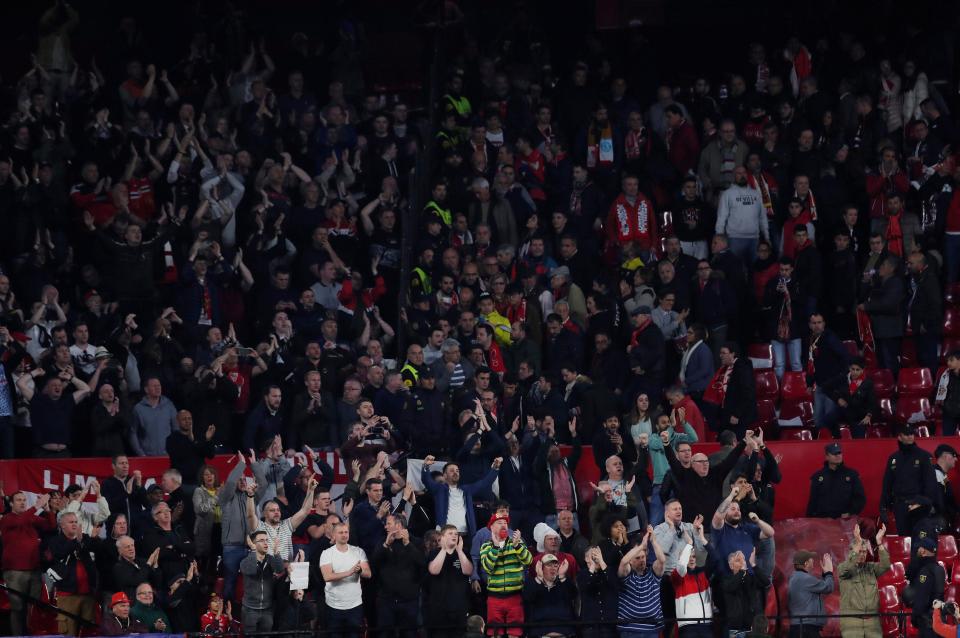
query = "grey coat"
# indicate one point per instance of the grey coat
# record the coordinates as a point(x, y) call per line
point(258, 580)
point(233, 505)
point(203, 507)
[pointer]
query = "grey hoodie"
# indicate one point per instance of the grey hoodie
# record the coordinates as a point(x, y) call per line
point(258, 580)
point(741, 214)
point(233, 505)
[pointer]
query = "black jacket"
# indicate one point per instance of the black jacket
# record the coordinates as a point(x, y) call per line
point(774, 302)
point(64, 556)
point(909, 473)
point(543, 475)
point(830, 361)
point(127, 576)
point(925, 306)
point(885, 308)
point(834, 492)
point(701, 494)
point(740, 591)
point(860, 403)
point(188, 456)
point(401, 568)
point(741, 398)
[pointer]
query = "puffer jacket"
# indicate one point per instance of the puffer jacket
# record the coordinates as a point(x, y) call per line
point(858, 583)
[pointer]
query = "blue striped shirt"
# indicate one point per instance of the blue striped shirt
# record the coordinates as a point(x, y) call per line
point(640, 598)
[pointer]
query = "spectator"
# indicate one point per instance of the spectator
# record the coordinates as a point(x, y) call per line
point(117, 622)
point(175, 543)
point(342, 566)
point(948, 393)
point(733, 391)
point(51, 411)
point(741, 215)
point(550, 597)
point(884, 307)
point(504, 560)
point(639, 607)
point(449, 569)
point(741, 590)
point(856, 399)
point(835, 491)
point(129, 571)
point(399, 565)
point(187, 455)
point(693, 599)
point(281, 529)
point(265, 420)
point(71, 555)
point(732, 534)
point(858, 583)
point(260, 569)
point(696, 364)
point(924, 310)
point(75, 497)
point(454, 502)
point(21, 527)
point(154, 419)
point(929, 578)
point(806, 592)
point(145, 610)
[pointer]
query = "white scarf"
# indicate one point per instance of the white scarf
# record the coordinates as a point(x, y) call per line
point(942, 386)
point(686, 359)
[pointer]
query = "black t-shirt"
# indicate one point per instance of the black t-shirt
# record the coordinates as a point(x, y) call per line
point(51, 420)
point(449, 591)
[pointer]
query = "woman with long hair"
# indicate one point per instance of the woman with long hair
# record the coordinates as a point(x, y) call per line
point(206, 528)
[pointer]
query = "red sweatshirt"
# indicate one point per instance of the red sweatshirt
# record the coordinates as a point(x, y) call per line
point(21, 538)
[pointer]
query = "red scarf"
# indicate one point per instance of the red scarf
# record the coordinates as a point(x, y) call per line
point(853, 384)
point(894, 234)
point(519, 313)
point(812, 355)
point(637, 141)
point(716, 392)
point(809, 204)
point(760, 183)
point(866, 336)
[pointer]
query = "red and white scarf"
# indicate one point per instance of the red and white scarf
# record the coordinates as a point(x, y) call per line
point(809, 203)
point(716, 392)
point(758, 182)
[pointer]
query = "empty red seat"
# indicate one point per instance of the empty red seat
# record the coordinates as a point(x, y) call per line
point(923, 432)
point(899, 549)
point(955, 572)
point(794, 386)
point(796, 413)
point(896, 575)
point(886, 411)
point(950, 594)
point(852, 348)
point(889, 604)
point(951, 321)
point(801, 435)
point(914, 382)
point(767, 385)
point(766, 413)
point(883, 383)
point(760, 355)
point(845, 433)
point(878, 431)
point(952, 293)
point(946, 572)
point(913, 410)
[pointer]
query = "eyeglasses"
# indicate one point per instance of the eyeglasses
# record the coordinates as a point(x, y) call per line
point(703, 461)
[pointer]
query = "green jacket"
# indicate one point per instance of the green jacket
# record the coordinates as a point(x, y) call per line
point(659, 459)
point(505, 566)
point(858, 583)
point(148, 616)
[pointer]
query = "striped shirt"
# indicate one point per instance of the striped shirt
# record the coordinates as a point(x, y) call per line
point(504, 567)
point(640, 598)
point(285, 531)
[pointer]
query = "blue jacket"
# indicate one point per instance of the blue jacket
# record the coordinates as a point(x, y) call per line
point(441, 496)
point(700, 369)
point(366, 530)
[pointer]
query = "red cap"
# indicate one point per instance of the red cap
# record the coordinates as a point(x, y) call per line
point(118, 598)
point(499, 516)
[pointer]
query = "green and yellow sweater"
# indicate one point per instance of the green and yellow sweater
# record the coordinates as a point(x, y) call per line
point(505, 567)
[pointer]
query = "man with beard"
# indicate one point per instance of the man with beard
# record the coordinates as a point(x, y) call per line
point(741, 216)
point(731, 534)
point(909, 474)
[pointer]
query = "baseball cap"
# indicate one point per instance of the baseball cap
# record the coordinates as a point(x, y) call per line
point(833, 448)
point(927, 543)
point(118, 598)
point(549, 558)
point(641, 310)
point(561, 271)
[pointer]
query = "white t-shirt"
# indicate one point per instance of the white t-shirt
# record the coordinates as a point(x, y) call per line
point(456, 510)
point(344, 593)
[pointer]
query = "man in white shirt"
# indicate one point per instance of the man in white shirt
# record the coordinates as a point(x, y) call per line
point(82, 351)
point(342, 567)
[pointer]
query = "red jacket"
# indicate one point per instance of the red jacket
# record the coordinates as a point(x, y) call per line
point(637, 222)
point(21, 538)
point(693, 416)
point(683, 148)
point(878, 187)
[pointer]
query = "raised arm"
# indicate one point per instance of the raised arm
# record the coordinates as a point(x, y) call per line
point(301, 514)
point(718, 516)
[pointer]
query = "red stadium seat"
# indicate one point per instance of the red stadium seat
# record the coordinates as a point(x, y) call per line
point(952, 294)
point(908, 353)
point(760, 355)
point(794, 386)
point(951, 321)
point(767, 385)
point(883, 383)
point(852, 348)
point(899, 549)
point(914, 382)
point(886, 411)
point(845, 433)
point(766, 413)
point(923, 432)
point(946, 572)
point(796, 414)
point(889, 603)
point(878, 431)
point(950, 594)
point(801, 435)
point(948, 345)
point(896, 576)
point(955, 572)
point(913, 410)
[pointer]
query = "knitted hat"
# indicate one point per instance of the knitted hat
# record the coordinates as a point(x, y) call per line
point(498, 516)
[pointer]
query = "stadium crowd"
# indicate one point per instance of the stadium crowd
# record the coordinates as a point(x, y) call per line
point(203, 255)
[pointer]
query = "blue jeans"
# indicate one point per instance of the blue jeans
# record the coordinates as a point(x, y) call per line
point(780, 350)
point(232, 557)
point(952, 258)
point(656, 506)
point(745, 248)
point(824, 411)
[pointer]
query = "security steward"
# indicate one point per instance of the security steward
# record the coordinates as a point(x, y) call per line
point(921, 523)
point(836, 491)
point(909, 473)
point(926, 587)
point(413, 367)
